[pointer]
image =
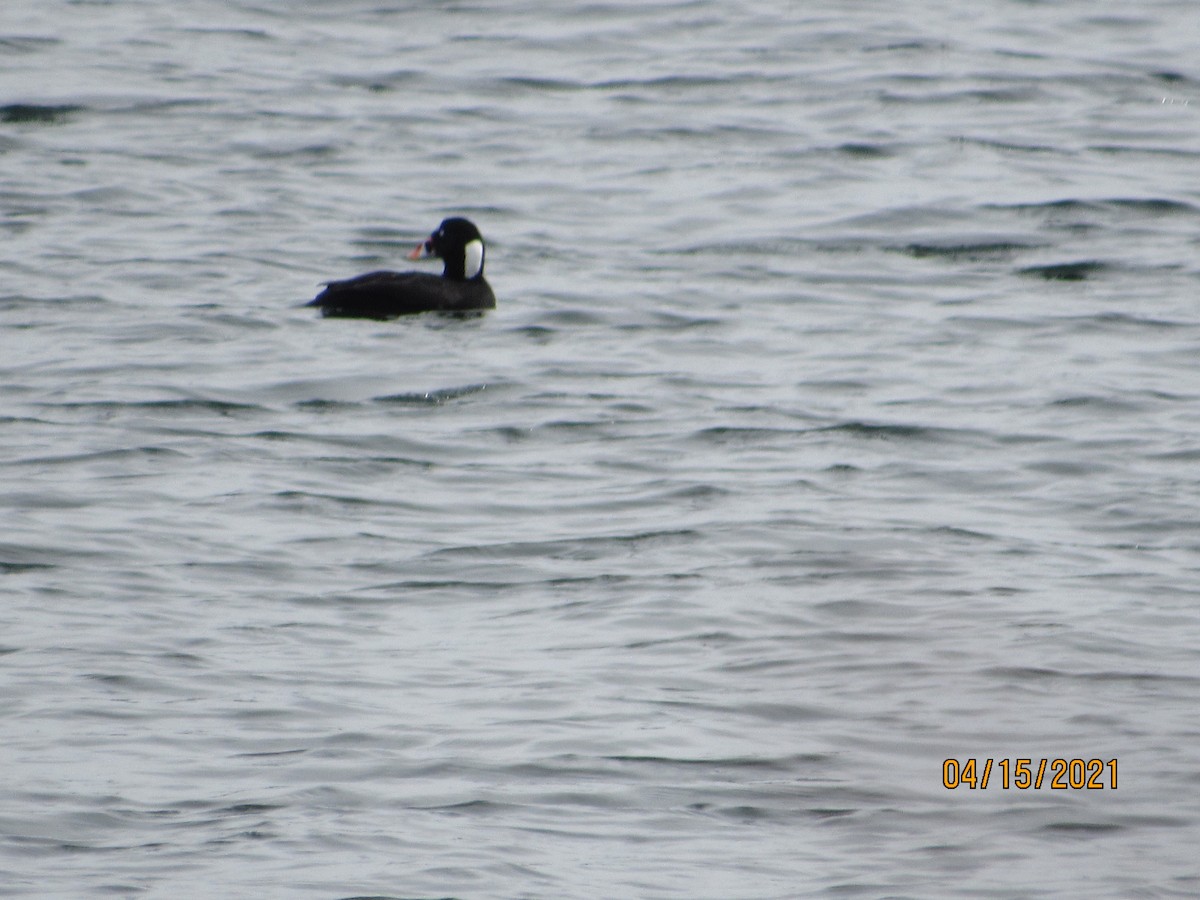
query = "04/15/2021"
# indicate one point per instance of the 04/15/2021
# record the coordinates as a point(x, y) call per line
point(1023, 774)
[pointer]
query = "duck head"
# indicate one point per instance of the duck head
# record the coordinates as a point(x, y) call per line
point(458, 243)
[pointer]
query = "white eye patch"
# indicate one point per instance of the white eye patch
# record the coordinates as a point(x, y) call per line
point(473, 258)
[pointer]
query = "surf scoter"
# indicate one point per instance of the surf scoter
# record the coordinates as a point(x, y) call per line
point(385, 295)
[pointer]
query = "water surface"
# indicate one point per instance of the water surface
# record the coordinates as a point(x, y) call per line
point(838, 417)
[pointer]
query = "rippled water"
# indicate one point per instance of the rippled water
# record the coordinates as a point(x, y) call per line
point(838, 417)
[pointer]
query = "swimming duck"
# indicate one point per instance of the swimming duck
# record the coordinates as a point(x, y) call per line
point(385, 295)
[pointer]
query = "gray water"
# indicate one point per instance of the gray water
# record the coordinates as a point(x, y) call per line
point(838, 417)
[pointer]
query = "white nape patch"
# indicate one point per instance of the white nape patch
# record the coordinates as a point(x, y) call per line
point(473, 258)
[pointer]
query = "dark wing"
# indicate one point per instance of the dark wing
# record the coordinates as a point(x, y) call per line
point(386, 295)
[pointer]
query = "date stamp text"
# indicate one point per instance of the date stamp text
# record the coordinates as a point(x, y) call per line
point(1025, 774)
